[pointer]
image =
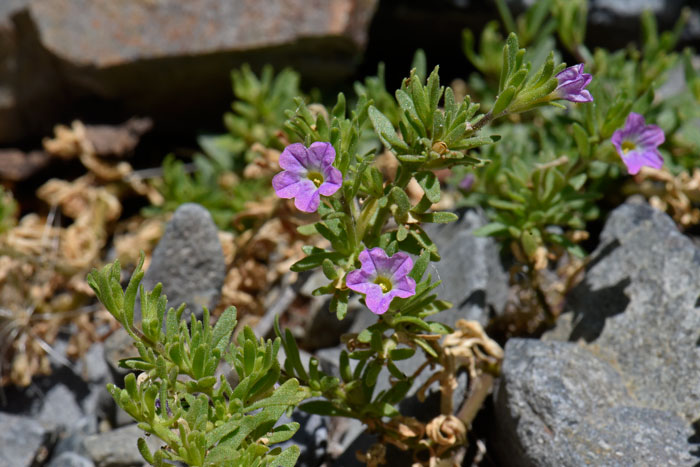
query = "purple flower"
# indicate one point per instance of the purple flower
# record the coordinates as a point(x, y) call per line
point(308, 173)
point(381, 278)
point(467, 182)
point(572, 82)
point(637, 144)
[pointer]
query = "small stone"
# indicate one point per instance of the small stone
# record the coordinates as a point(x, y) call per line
point(73, 440)
point(188, 261)
point(59, 409)
point(118, 448)
point(95, 369)
point(70, 459)
point(22, 441)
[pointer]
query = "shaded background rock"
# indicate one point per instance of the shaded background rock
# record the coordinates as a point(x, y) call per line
point(624, 389)
point(169, 60)
point(65, 59)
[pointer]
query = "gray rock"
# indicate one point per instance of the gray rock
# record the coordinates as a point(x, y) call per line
point(637, 306)
point(188, 261)
point(70, 459)
point(118, 448)
point(95, 369)
point(72, 441)
point(143, 53)
point(471, 273)
point(23, 441)
point(624, 390)
point(59, 409)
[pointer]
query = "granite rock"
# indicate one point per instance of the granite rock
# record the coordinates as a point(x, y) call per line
point(70, 459)
point(23, 441)
point(471, 273)
point(134, 58)
point(59, 409)
point(616, 381)
point(117, 448)
point(188, 261)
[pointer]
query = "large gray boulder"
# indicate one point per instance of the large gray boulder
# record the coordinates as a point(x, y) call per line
point(617, 382)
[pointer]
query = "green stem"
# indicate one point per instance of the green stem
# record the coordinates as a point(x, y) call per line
point(404, 176)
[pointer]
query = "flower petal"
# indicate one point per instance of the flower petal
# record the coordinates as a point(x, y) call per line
point(651, 137)
point(288, 184)
point(404, 287)
point(333, 181)
point(321, 154)
point(295, 158)
point(360, 281)
point(376, 301)
point(635, 160)
point(307, 198)
point(400, 265)
point(634, 123)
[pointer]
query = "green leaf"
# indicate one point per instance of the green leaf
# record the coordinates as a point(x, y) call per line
point(287, 458)
point(145, 452)
point(308, 229)
point(401, 354)
point(430, 184)
point(339, 304)
point(439, 328)
point(581, 138)
point(315, 260)
point(503, 101)
point(322, 407)
point(442, 217)
point(412, 320)
point(420, 266)
point(372, 372)
point(385, 130)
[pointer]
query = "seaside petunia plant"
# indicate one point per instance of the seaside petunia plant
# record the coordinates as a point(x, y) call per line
point(543, 143)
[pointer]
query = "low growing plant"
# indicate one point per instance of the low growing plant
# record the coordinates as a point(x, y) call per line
point(540, 183)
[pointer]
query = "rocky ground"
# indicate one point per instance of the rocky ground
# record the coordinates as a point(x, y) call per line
point(615, 382)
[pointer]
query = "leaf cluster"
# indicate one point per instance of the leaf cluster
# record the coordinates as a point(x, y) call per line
point(545, 178)
point(203, 419)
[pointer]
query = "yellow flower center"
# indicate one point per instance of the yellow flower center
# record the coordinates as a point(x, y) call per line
point(628, 146)
point(384, 283)
point(316, 177)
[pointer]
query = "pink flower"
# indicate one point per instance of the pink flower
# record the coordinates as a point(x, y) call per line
point(381, 278)
point(572, 82)
point(308, 173)
point(637, 144)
